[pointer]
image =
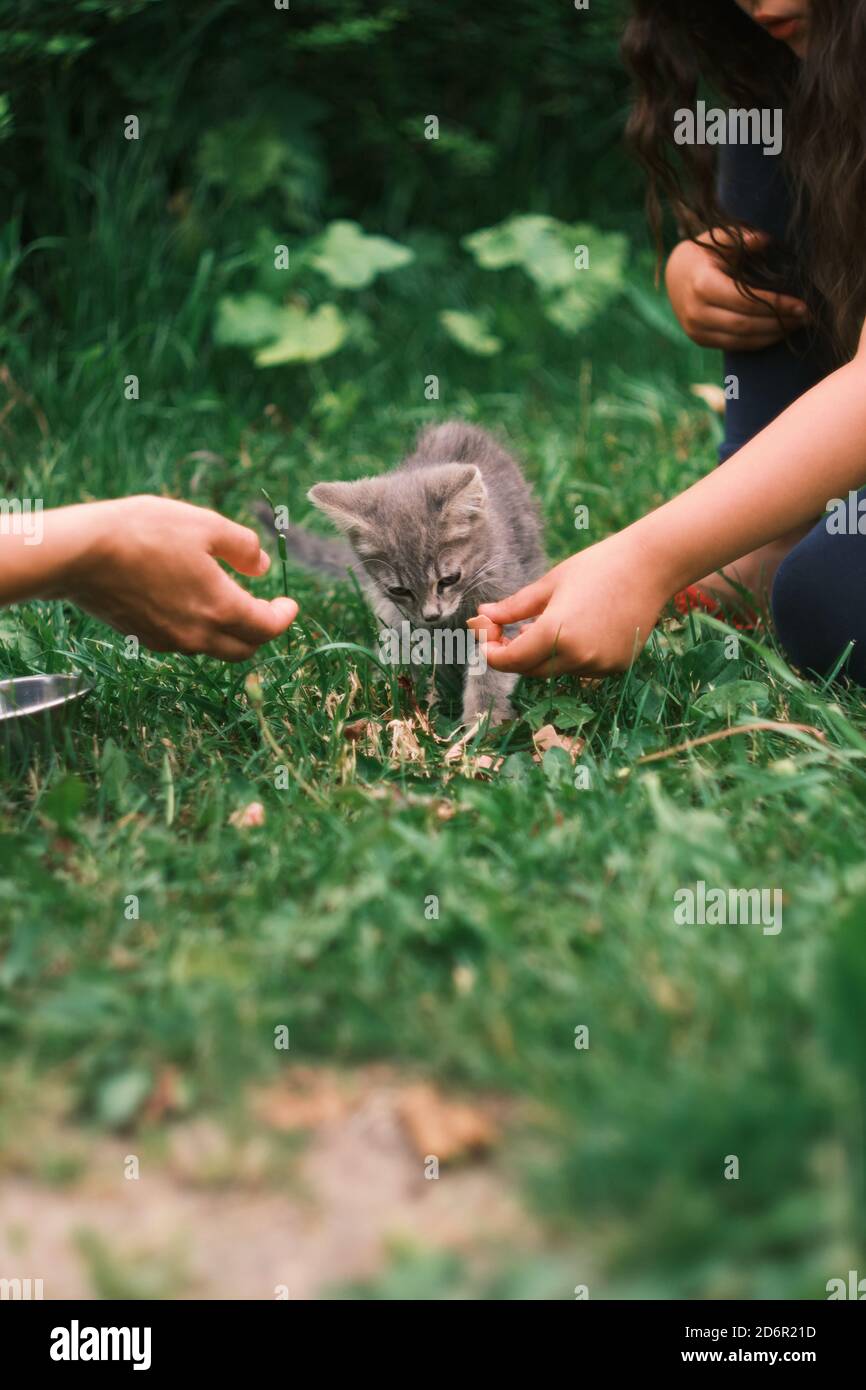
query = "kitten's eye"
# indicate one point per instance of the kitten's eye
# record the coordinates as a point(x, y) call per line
point(401, 593)
point(447, 581)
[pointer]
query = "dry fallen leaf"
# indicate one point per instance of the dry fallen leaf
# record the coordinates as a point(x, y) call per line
point(485, 762)
point(365, 736)
point(405, 747)
point(357, 730)
point(548, 737)
point(312, 1098)
point(166, 1098)
point(447, 1129)
point(337, 699)
point(480, 763)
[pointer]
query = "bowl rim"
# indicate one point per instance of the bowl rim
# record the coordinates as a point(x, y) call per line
point(75, 680)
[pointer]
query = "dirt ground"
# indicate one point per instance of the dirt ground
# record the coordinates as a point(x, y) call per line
point(328, 1181)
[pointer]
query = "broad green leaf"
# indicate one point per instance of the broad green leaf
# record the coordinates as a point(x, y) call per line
point(351, 260)
point(305, 337)
point(245, 156)
point(119, 1098)
point(564, 712)
point(557, 767)
point(470, 332)
point(64, 801)
point(518, 767)
point(733, 696)
point(515, 241)
point(552, 254)
point(247, 320)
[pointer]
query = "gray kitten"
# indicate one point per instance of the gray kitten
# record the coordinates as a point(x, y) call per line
point(452, 526)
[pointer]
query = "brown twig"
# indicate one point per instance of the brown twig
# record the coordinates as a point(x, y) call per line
point(767, 725)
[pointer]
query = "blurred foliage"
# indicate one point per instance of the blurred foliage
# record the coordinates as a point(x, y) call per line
point(260, 127)
point(323, 107)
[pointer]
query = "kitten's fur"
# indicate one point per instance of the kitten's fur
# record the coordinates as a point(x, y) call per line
point(459, 505)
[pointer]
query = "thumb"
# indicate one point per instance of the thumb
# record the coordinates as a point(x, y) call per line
point(283, 612)
point(526, 603)
point(239, 546)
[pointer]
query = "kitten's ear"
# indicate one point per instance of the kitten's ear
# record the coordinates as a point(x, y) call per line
point(349, 505)
point(461, 489)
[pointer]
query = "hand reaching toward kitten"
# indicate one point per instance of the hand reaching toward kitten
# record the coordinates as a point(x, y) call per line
point(149, 567)
point(593, 614)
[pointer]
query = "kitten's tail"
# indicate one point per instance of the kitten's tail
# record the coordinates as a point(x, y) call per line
point(325, 554)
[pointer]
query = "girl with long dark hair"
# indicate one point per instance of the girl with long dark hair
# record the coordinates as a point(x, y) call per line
point(771, 269)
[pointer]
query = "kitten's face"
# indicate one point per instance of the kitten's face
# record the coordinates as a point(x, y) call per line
point(421, 535)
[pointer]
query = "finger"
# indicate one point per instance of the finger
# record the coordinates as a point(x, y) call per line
point(554, 666)
point(258, 620)
point(526, 603)
point(485, 628)
point(239, 546)
point(533, 646)
point(227, 648)
point(724, 293)
point(740, 326)
point(734, 342)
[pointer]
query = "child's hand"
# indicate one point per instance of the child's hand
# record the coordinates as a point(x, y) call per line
point(148, 566)
point(713, 311)
point(593, 614)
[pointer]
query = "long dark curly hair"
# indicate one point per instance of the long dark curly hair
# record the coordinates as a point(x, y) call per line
point(678, 50)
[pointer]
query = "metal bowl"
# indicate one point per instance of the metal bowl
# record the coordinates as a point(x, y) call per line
point(29, 695)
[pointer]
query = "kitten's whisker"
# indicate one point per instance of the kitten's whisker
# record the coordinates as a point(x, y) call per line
point(483, 571)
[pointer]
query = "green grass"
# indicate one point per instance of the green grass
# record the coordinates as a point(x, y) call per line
point(555, 904)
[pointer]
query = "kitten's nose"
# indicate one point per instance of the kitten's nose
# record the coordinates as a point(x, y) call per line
point(430, 614)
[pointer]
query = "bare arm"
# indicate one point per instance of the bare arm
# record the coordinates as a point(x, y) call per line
point(598, 607)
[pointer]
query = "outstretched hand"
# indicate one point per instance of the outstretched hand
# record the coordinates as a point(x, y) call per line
point(592, 614)
point(149, 567)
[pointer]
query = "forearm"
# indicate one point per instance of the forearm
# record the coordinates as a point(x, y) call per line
point(41, 551)
point(781, 479)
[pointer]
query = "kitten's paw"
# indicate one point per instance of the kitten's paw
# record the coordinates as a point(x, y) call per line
point(497, 712)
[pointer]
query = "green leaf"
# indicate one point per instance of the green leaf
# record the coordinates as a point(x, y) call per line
point(119, 1099)
point(351, 260)
point(518, 767)
point(305, 337)
point(546, 249)
point(283, 333)
point(247, 320)
point(115, 771)
point(516, 241)
point(64, 801)
point(245, 156)
point(470, 332)
point(557, 767)
point(708, 661)
point(564, 712)
point(727, 699)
